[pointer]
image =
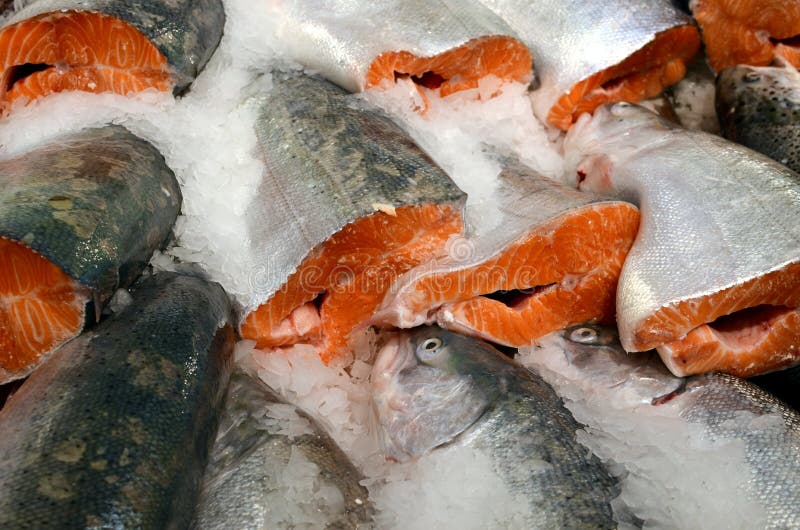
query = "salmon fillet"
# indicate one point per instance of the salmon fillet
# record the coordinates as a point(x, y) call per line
point(456, 69)
point(41, 308)
point(641, 76)
point(754, 33)
point(77, 50)
point(744, 330)
point(560, 273)
point(339, 285)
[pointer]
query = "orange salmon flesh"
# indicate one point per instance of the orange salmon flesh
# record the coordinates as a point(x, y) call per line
point(565, 272)
point(744, 330)
point(643, 75)
point(77, 50)
point(754, 33)
point(458, 69)
point(41, 308)
point(338, 286)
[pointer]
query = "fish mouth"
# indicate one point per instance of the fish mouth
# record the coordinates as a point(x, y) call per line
point(394, 355)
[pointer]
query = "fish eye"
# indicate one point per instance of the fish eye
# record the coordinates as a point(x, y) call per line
point(584, 335)
point(751, 77)
point(429, 348)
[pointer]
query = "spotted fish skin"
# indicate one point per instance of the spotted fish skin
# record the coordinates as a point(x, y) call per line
point(759, 107)
point(97, 203)
point(244, 475)
point(115, 428)
point(187, 32)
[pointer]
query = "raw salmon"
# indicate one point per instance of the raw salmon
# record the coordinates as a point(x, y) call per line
point(445, 45)
point(114, 430)
point(551, 258)
point(713, 278)
point(100, 46)
point(749, 32)
point(348, 203)
point(79, 218)
point(588, 54)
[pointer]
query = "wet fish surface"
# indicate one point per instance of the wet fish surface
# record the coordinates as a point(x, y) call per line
point(783, 384)
point(115, 428)
point(712, 279)
point(743, 441)
point(759, 107)
point(553, 252)
point(348, 202)
point(434, 388)
point(79, 218)
point(105, 45)
point(441, 44)
point(586, 55)
point(261, 439)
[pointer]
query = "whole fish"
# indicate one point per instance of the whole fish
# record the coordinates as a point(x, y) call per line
point(434, 388)
point(548, 257)
point(114, 430)
point(106, 45)
point(750, 32)
point(712, 280)
point(759, 107)
point(586, 55)
point(709, 446)
point(440, 44)
point(348, 203)
point(273, 466)
point(79, 218)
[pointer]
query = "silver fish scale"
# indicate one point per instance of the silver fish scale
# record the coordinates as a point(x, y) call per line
point(341, 38)
point(772, 450)
point(329, 161)
point(187, 32)
point(571, 40)
point(714, 214)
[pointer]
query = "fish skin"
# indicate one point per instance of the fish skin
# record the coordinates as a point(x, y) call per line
point(467, 393)
point(329, 160)
point(691, 242)
point(97, 203)
point(782, 384)
point(571, 40)
point(114, 430)
point(250, 453)
point(523, 201)
point(759, 107)
point(601, 366)
point(341, 38)
point(187, 32)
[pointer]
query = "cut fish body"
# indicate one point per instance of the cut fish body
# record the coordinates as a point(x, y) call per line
point(718, 238)
point(348, 203)
point(588, 54)
point(560, 248)
point(442, 44)
point(102, 45)
point(79, 218)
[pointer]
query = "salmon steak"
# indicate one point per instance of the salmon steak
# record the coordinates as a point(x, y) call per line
point(348, 203)
point(105, 46)
point(79, 218)
point(752, 33)
point(373, 44)
point(713, 278)
point(550, 259)
point(588, 54)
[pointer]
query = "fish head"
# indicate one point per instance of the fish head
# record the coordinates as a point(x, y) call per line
point(748, 95)
point(428, 386)
point(596, 143)
point(597, 361)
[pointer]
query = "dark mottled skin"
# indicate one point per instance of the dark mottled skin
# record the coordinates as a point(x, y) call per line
point(187, 32)
point(96, 203)
point(114, 430)
point(760, 109)
point(236, 480)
